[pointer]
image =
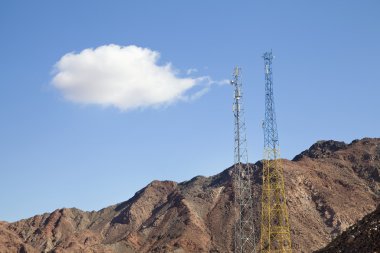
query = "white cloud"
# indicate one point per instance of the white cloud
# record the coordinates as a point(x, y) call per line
point(123, 77)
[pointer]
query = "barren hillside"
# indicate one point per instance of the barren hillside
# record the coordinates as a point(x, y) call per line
point(364, 236)
point(329, 186)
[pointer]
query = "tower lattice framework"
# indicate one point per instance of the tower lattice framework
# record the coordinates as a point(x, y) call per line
point(275, 229)
point(244, 232)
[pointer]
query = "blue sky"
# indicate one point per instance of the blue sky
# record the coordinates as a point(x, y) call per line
point(58, 153)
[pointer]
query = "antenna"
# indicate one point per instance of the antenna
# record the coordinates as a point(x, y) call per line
point(244, 233)
point(275, 229)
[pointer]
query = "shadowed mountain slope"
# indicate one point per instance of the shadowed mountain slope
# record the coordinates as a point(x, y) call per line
point(329, 187)
point(364, 236)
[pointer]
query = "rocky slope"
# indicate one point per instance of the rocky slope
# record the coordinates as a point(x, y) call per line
point(329, 186)
point(364, 236)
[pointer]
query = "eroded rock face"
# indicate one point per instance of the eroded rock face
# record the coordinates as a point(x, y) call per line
point(364, 237)
point(329, 187)
point(11, 242)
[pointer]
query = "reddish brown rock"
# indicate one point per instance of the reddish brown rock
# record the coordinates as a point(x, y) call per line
point(329, 187)
point(363, 237)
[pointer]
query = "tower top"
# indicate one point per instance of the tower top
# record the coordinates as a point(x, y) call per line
point(268, 56)
point(237, 71)
point(236, 75)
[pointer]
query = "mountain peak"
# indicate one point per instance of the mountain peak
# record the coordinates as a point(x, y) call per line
point(321, 149)
point(328, 148)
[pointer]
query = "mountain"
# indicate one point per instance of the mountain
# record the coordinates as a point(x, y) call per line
point(329, 187)
point(364, 236)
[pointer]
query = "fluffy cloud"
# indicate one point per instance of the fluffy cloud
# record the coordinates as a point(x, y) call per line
point(123, 77)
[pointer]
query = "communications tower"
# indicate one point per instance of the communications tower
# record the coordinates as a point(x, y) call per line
point(244, 232)
point(275, 230)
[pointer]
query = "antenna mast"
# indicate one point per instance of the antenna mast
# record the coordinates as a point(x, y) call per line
point(275, 229)
point(244, 237)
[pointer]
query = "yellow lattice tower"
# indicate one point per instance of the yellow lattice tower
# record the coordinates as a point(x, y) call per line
point(275, 229)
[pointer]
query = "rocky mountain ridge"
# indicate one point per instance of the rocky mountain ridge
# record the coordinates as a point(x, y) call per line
point(329, 187)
